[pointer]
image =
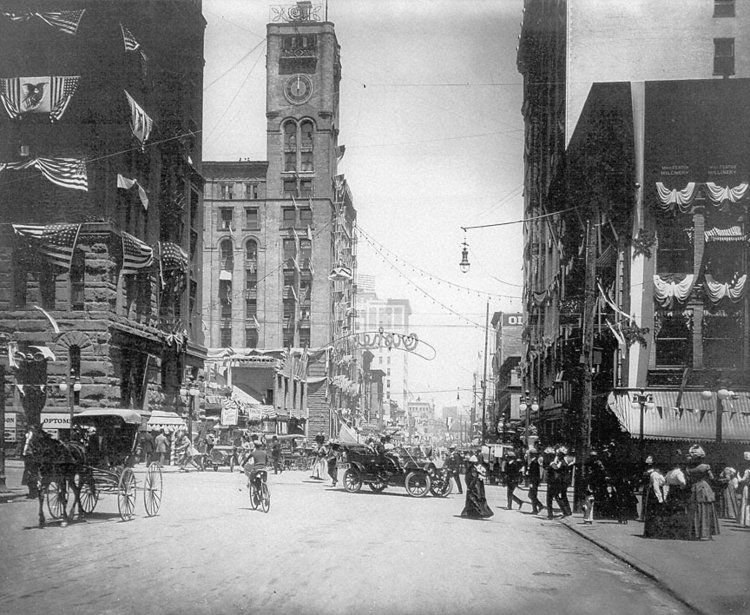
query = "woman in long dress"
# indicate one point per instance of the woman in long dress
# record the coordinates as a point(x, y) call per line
point(702, 509)
point(728, 501)
point(743, 513)
point(653, 505)
point(476, 502)
point(676, 523)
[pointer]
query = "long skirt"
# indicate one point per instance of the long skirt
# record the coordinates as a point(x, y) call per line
point(476, 503)
point(654, 525)
point(704, 522)
point(676, 522)
point(728, 503)
point(743, 514)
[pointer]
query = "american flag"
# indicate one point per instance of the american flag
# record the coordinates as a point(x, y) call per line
point(65, 21)
point(140, 122)
point(173, 256)
point(131, 44)
point(56, 242)
point(136, 255)
point(51, 95)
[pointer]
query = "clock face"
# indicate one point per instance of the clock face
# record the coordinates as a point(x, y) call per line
point(298, 89)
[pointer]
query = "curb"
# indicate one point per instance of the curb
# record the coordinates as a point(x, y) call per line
point(624, 557)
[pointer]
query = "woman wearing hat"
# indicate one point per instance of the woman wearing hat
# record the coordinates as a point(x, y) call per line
point(702, 509)
point(476, 502)
point(743, 513)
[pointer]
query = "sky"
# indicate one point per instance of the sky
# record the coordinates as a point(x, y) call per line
point(431, 119)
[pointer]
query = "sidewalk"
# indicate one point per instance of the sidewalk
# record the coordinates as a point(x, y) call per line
point(712, 577)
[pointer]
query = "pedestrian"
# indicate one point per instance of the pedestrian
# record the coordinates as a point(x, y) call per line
point(595, 481)
point(276, 455)
point(476, 502)
point(211, 440)
point(705, 523)
point(147, 446)
point(654, 504)
point(321, 466)
point(645, 485)
point(513, 474)
point(453, 465)
point(728, 500)
point(331, 460)
point(30, 476)
point(556, 483)
point(743, 484)
point(676, 522)
point(534, 473)
point(161, 446)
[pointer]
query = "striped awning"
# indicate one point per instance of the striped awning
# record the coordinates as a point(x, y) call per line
point(694, 419)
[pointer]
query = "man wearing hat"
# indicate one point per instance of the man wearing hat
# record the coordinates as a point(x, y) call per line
point(453, 465)
point(513, 472)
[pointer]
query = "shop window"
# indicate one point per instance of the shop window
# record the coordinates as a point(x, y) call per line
point(674, 342)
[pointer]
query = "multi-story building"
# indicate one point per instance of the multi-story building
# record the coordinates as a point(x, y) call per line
point(391, 315)
point(280, 233)
point(635, 246)
point(101, 199)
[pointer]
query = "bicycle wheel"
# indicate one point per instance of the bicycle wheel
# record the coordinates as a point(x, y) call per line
point(253, 491)
point(265, 498)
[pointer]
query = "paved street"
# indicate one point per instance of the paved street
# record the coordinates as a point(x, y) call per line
point(319, 550)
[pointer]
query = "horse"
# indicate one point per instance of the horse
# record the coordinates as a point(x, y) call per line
point(55, 461)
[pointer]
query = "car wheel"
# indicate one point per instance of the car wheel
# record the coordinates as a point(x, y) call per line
point(417, 484)
point(441, 486)
point(352, 480)
point(378, 486)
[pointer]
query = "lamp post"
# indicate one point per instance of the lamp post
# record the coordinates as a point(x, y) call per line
point(71, 386)
point(643, 400)
point(721, 395)
point(191, 391)
point(529, 404)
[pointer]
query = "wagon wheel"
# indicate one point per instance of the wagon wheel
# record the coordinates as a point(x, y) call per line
point(417, 484)
point(54, 501)
point(378, 485)
point(152, 486)
point(89, 494)
point(441, 486)
point(126, 494)
point(265, 498)
point(352, 480)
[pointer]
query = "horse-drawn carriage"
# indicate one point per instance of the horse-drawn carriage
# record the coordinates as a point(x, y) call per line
point(106, 441)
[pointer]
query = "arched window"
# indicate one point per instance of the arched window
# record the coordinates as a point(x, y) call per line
point(226, 254)
point(298, 146)
point(251, 250)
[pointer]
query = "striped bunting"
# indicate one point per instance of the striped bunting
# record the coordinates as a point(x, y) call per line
point(140, 122)
point(65, 21)
point(136, 255)
point(64, 172)
point(56, 242)
point(51, 95)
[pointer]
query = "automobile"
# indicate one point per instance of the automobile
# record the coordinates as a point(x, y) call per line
point(399, 467)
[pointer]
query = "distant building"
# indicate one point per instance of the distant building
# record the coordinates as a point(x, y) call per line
point(508, 331)
point(280, 234)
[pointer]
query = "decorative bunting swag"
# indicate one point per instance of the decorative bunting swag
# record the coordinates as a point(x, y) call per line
point(65, 21)
point(734, 291)
point(671, 287)
point(21, 95)
point(683, 199)
point(140, 123)
point(64, 172)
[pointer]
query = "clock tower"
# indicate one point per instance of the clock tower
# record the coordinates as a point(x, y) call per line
point(303, 72)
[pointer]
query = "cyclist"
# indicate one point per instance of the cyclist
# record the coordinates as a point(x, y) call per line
point(256, 462)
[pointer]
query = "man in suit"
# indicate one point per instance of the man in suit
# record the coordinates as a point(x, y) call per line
point(453, 465)
point(534, 474)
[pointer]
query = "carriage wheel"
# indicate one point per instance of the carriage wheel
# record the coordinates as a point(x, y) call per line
point(126, 494)
point(89, 494)
point(54, 500)
point(152, 486)
point(265, 498)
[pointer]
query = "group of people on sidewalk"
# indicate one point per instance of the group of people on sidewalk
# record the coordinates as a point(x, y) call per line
point(682, 503)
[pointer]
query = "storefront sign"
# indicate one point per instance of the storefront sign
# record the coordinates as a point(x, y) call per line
point(11, 427)
point(52, 421)
point(229, 414)
point(513, 320)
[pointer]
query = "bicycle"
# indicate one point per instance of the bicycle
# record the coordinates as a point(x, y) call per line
point(258, 490)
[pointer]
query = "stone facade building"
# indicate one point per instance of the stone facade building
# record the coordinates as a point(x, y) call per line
point(280, 233)
point(101, 203)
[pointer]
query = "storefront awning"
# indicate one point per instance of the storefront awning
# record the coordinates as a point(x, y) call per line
point(161, 419)
point(695, 419)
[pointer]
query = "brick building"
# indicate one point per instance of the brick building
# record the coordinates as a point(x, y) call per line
point(101, 202)
point(280, 233)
